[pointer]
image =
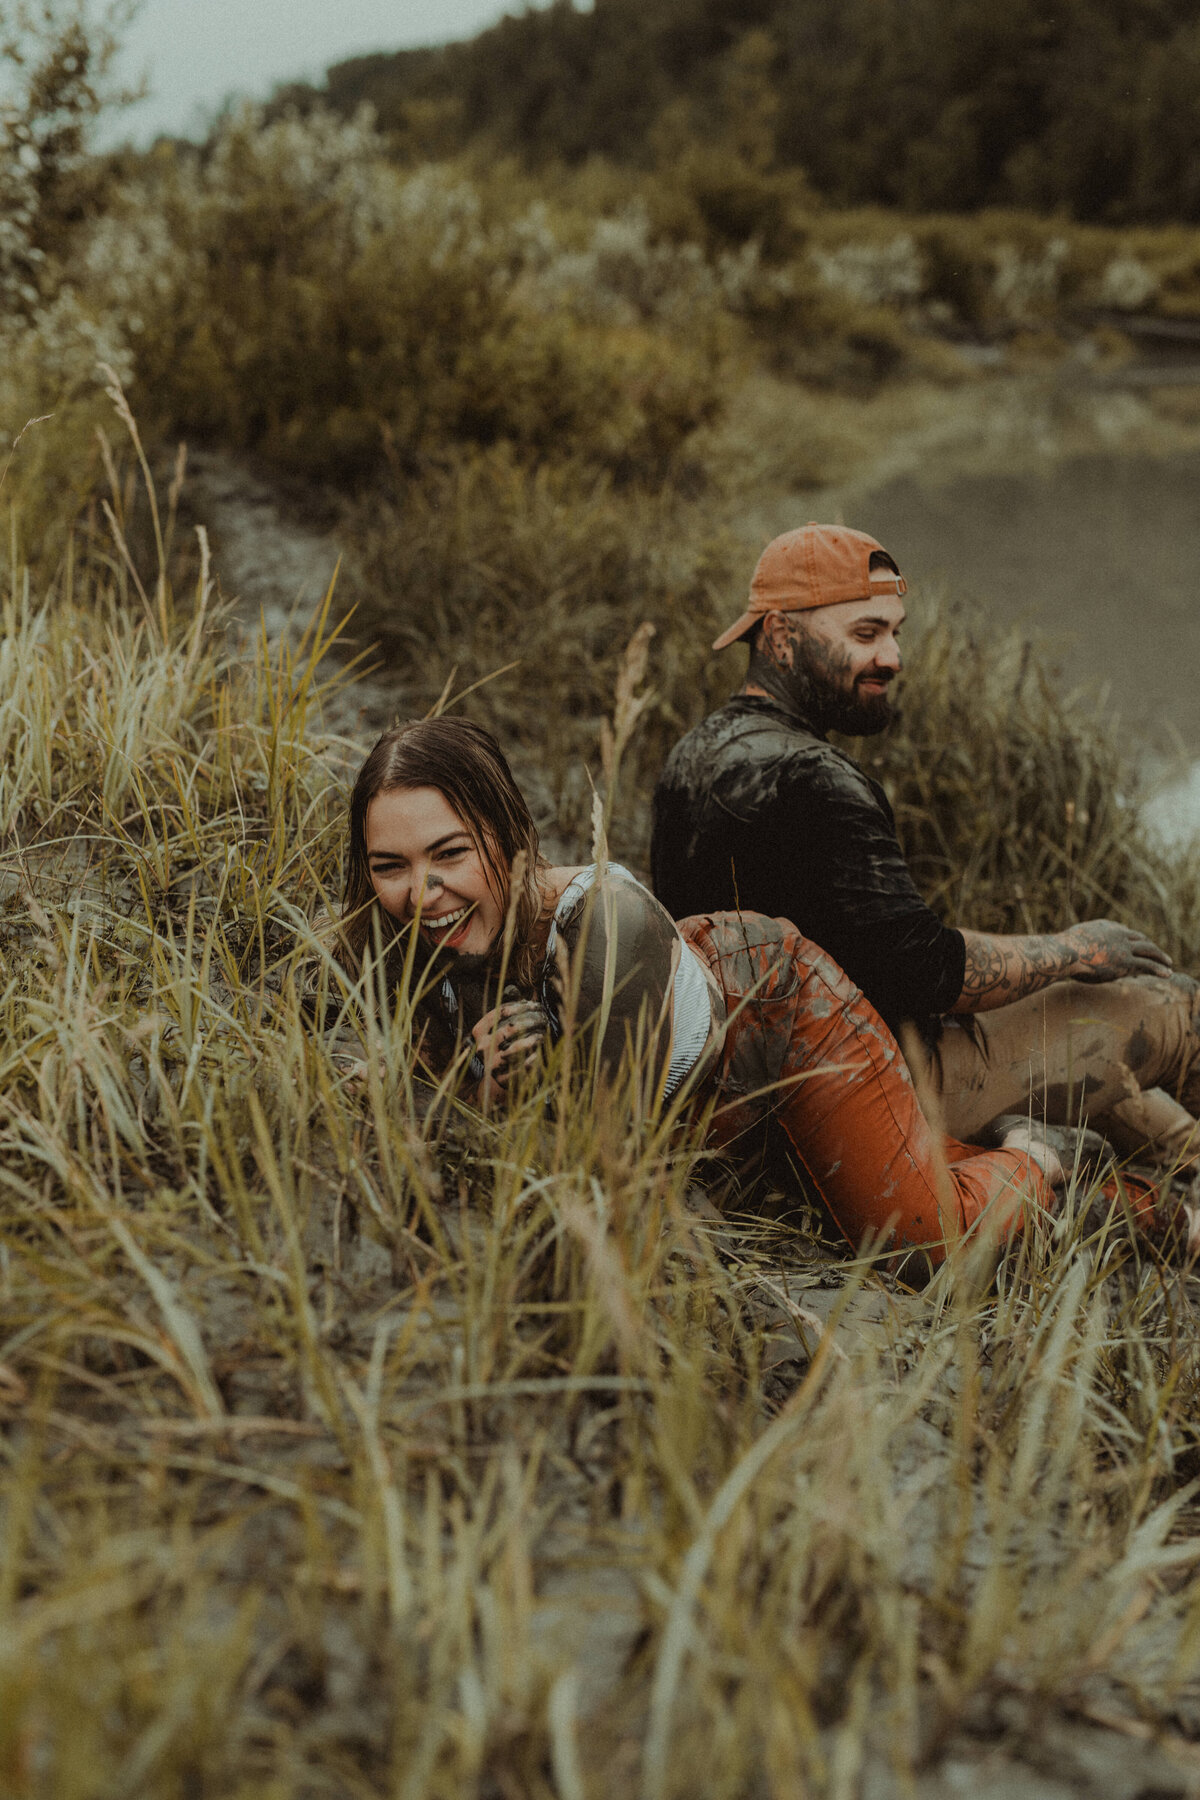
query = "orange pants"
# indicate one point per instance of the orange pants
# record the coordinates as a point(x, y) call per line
point(803, 1048)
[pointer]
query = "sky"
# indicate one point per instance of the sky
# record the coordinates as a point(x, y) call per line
point(193, 54)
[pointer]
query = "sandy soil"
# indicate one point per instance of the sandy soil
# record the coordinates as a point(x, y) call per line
point(276, 564)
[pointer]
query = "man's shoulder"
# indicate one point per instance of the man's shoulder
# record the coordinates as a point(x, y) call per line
point(750, 734)
point(739, 731)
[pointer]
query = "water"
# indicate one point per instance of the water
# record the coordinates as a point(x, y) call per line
point(1101, 555)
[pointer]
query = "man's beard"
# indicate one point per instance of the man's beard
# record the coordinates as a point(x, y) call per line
point(821, 695)
point(857, 714)
point(816, 686)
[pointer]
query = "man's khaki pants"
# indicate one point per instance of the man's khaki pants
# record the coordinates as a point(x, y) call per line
point(1121, 1056)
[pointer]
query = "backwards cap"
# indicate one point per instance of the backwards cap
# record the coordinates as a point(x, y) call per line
point(818, 565)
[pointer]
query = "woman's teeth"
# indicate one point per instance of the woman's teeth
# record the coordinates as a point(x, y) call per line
point(445, 922)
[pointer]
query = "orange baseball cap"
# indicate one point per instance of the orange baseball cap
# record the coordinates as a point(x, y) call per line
point(817, 565)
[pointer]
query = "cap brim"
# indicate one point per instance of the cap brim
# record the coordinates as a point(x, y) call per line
point(737, 630)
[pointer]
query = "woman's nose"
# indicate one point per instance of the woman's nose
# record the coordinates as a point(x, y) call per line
point(427, 882)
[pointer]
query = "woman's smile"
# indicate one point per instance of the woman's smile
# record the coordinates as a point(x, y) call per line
point(441, 927)
point(425, 866)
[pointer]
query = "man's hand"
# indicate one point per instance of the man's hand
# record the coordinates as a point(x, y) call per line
point(508, 1038)
point(1105, 951)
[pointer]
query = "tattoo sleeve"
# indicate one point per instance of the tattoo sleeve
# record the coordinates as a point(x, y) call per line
point(1002, 969)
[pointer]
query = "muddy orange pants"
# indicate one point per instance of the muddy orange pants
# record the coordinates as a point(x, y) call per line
point(804, 1048)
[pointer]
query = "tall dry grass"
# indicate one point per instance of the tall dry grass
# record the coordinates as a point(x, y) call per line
point(351, 1443)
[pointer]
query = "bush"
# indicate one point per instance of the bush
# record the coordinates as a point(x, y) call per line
point(57, 63)
point(311, 302)
point(52, 334)
point(484, 563)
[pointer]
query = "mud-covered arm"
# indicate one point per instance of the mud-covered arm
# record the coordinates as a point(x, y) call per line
point(1002, 969)
point(620, 953)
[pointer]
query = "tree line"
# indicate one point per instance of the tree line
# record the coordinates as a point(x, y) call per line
point(1087, 107)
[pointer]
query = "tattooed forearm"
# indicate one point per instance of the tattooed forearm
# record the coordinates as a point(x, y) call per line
point(1002, 969)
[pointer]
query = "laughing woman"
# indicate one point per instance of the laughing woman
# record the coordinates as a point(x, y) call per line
point(742, 1008)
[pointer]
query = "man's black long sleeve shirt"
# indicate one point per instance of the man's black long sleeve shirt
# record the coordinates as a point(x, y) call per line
point(756, 811)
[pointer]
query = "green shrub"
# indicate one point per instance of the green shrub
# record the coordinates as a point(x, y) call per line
point(312, 302)
point(723, 201)
point(52, 336)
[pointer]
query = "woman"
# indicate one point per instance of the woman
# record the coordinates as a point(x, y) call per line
point(751, 1015)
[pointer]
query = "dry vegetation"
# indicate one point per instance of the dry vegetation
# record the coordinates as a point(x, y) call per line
point(352, 1444)
point(355, 1445)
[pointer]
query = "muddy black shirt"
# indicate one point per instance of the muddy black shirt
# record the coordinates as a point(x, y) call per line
point(754, 810)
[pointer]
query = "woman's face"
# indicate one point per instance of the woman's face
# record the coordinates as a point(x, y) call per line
point(423, 860)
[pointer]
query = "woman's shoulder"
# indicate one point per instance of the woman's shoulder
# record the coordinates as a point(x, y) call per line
point(570, 888)
point(606, 900)
point(558, 878)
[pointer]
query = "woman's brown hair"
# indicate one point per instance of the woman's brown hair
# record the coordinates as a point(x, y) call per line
point(467, 767)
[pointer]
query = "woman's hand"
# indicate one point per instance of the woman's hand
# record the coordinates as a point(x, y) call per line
point(508, 1038)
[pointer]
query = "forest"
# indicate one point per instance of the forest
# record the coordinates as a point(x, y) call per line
point(1090, 108)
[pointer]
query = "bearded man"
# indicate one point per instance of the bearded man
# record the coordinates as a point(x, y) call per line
point(756, 810)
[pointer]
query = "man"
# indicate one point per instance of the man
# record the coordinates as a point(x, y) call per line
point(755, 809)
